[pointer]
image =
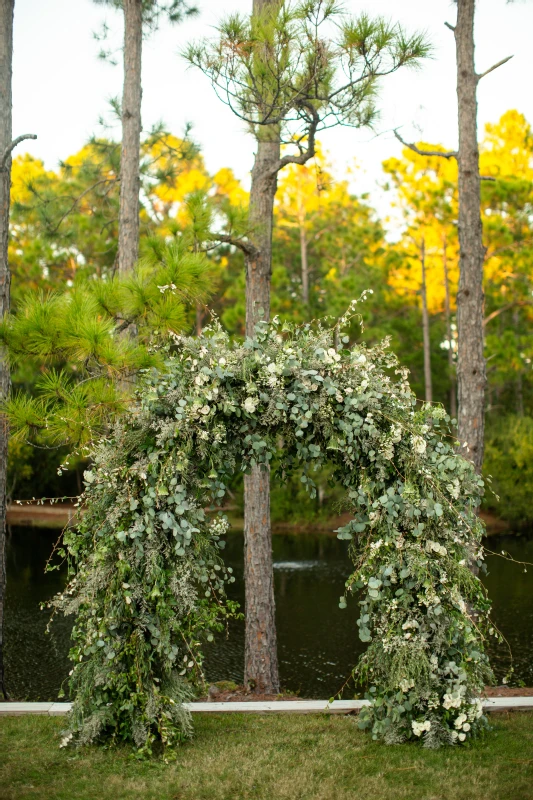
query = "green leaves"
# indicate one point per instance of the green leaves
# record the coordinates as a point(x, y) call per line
point(171, 456)
point(293, 68)
point(83, 330)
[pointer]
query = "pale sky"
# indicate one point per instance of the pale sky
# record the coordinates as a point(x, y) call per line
point(60, 88)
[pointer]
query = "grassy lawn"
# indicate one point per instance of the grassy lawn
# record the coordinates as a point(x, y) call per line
point(236, 757)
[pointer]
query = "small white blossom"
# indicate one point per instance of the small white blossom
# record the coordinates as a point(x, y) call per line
point(419, 444)
point(420, 727)
point(250, 404)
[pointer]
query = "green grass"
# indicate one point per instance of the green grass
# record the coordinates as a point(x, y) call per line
point(236, 757)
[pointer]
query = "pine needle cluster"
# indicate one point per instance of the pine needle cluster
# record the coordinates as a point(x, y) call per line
point(92, 340)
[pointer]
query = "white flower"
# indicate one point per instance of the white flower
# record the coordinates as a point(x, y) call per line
point(405, 685)
point(452, 700)
point(466, 726)
point(376, 545)
point(462, 737)
point(478, 708)
point(272, 367)
point(222, 361)
point(250, 404)
point(419, 444)
point(460, 720)
point(420, 727)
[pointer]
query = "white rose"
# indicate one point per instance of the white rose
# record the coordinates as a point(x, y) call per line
point(250, 404)
point(419, 444)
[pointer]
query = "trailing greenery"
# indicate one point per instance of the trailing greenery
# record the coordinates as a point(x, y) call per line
point(146, 575)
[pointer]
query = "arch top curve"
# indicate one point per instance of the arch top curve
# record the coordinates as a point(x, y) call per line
point(149, 578)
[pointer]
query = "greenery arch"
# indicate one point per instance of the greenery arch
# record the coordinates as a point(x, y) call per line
point(146, 574)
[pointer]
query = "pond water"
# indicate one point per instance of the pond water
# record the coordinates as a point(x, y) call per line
point(317, 641)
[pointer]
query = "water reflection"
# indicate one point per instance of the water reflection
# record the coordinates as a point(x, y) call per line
point(317, 641)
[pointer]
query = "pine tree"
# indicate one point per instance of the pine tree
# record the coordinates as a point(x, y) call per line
point(471, 364)
point(287, 71)
point(137, 13)
point(88, 370)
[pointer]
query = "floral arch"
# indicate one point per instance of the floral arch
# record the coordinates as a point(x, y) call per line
point(146, 573)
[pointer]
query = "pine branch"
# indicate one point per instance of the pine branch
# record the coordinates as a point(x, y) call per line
point(415, 149)
point(9, 150)
point(305, 155)
point(494, 66)
point(247, 248)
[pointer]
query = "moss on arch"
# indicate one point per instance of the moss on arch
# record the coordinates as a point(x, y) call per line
point(147, 576)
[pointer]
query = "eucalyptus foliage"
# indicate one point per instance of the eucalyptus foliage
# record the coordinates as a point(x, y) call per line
point(147, 579)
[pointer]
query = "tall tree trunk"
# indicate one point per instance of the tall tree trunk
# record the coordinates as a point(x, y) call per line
point(448, 313)
point(471, 368)
point(260, 646)
point(425, 327)
point(128, 231)
point(303, 258)
point(6, 57)
point(260, 658)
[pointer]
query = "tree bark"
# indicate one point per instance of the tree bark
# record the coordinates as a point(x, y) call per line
point(425, 327)
point(304, 259)
point(260, 659)
point(6, 59)
point(260, 647)
point(128, 231)
point(451, 365)
point(471, 368)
